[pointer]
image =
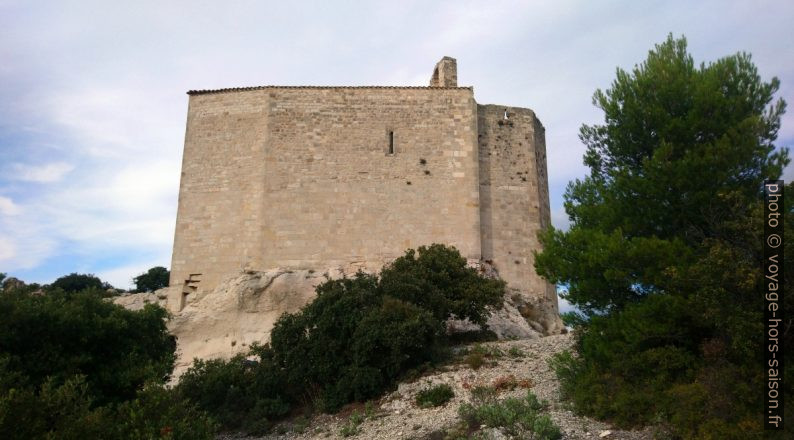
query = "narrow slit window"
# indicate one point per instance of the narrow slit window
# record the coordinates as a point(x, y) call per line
point(391, 142)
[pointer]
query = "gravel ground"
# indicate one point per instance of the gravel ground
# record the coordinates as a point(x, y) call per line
point(398, 417)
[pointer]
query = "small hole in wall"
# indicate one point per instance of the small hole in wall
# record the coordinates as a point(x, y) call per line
point(422, 162)
point(517, 262)
point(427, 172)
point(391, 142)
point(408, 182)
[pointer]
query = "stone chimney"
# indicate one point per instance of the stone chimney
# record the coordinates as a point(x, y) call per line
point(445, 74)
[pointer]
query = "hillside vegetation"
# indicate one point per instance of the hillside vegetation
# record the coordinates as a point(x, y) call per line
point(76, 366)
point(664, 253)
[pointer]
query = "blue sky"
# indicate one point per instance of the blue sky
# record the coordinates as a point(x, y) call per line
point(93, 104)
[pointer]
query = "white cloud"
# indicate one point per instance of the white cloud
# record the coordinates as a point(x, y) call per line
point(46, 173)
point(8, 207)
point(110, 211)
point(7, 249)
point(27, 247)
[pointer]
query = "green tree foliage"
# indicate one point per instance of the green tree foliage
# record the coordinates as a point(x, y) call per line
point(76, 282)
point(436, 278)
point(154, 278)
point(58, 335)
point(360, 341)
point(68, 411)
point(681, 149)
point(665, 248)
point(64, 410)
point(74, 366)
point(158, 412)
point(354, 341)
point(240, 394)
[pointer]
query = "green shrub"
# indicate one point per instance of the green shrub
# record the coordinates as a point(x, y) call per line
point(56, 336)
point(76, 282)
point(239, 395)
point(353, 422)
point(161, 413)
point(62, 411)
point(153, 279)
point(360, 342)
point(475, 361)
point(488, 351)
point(436, 395)
point(73, 366)
point(437, 279)
point(518, 418)
point(481, 355)
point(483, 394)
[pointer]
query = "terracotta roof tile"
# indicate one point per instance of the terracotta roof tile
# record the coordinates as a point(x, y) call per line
point(246, 89)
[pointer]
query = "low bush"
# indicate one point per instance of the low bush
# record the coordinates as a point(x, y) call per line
point(436, 395)
point(73, 366)
point(239, 394)
point(76, 282)
point(509, 382)
point(518, 418)
point(359, 340)
point(158, 412)
point(489, 351)
point(353, 422)
point(64, 410)
point(437, 279)
point(483, 394)
point(482, 355)
point(475, 361)
point(56, 336)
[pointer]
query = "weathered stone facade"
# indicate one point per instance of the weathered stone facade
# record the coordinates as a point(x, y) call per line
point(316, 177)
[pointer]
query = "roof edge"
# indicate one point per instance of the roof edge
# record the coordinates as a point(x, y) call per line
point(246, 89)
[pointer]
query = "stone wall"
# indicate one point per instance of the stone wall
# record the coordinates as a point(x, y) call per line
point(513, 195)
point(445, 74)
point(309, 178)
point(314, 177)
point(220, 195)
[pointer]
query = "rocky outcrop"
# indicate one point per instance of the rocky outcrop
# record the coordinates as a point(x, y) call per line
point(243, 309)
point(137, 301)
point(239, 312)
point(519, 318)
